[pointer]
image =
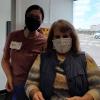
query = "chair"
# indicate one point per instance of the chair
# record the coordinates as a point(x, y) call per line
point(4, 95)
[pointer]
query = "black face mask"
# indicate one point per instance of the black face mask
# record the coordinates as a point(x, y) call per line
point(32, 23)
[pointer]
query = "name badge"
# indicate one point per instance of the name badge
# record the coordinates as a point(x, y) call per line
point(15, 45)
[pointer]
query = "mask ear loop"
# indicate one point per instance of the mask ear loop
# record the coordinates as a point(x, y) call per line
point(53, 45)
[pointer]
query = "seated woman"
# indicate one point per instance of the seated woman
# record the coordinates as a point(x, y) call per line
point(63, 71)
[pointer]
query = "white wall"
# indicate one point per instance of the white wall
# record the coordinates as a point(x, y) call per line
point(53, 9)
point(61, 9)
point(5, 15)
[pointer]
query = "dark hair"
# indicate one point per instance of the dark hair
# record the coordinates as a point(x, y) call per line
point(75, 41)
point(35, 7)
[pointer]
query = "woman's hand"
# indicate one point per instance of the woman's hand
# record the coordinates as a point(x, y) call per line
point(75, 98)
point(38, 96)
point(85, 97)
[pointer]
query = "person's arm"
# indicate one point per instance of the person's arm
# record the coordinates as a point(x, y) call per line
point(6, 67)
point(5, 62)
point(32, 83)
point(94, 78)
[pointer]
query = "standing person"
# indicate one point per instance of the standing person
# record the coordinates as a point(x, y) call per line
point(20, 51)
point(63, 72)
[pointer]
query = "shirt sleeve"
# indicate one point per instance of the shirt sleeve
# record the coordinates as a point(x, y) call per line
point(93, 72)
point(7, 45)
point(32, 82)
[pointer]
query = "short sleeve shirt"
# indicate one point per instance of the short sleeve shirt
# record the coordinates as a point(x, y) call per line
point(22, 52)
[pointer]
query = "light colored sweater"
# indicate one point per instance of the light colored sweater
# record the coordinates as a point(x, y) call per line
point(60, 82)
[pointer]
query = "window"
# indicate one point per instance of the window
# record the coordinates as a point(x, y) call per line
point(87, 22)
